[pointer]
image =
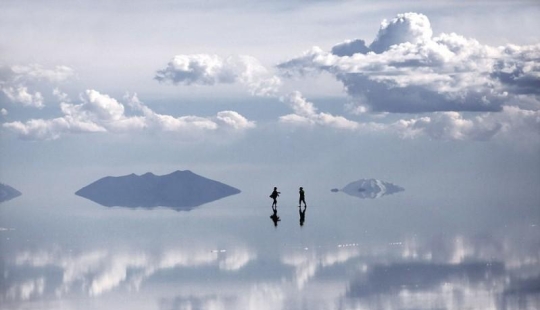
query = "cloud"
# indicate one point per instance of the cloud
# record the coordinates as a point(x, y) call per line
point(100, 113)
point(260, 296)
point(14, 82)
point(205, 69)
point(350, 47)
point(37, 72)
point(26, 290)
point(448, 126)
point(234, 120)
point(237, 259)
point(512, 122)
point(407, 70)
point(407, 27)
point(20, 94)
point(97, 272)
point(206, 302)
point(161, 122)
point(307, 263)
point(306, 114)
point(50, 129)
point(519, 70)
point(410, 280)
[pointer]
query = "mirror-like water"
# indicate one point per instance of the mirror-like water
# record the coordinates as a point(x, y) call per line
point(395, 252)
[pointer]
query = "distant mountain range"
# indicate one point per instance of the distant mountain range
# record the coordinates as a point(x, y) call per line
point(370, 188)
point(7, 192)
point(181, 190)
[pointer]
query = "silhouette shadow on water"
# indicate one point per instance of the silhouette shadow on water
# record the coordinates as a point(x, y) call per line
point(275, 218)
point(302, 215)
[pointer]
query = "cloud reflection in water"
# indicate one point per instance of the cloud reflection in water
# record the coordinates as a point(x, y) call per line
point(448, 273)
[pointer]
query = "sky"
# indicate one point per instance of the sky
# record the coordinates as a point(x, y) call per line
point(441, 98)
point(259, 93)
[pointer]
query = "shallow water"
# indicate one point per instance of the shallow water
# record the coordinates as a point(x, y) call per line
point(396, 252)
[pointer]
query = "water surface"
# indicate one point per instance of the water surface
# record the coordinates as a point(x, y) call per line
point(402, 251)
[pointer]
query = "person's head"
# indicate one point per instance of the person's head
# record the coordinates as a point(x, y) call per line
point(301, 188)
point(275, 188)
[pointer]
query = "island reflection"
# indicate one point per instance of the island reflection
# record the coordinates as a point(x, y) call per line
point(180, 190)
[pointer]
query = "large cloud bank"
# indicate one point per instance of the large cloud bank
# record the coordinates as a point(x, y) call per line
point(406, 69)
point(457, 88)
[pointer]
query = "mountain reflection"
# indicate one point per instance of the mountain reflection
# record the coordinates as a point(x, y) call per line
point(180, 190)
point(369, 189)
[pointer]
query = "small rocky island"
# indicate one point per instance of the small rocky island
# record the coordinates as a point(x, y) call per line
point(181, 190)
point(369, 188)
point(7, 192)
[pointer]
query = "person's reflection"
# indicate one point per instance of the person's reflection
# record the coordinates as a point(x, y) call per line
point(302, 215)
point(275, 218)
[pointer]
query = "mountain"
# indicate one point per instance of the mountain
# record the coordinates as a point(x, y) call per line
point(7, 192)
point(181, 190)
point(370, 188)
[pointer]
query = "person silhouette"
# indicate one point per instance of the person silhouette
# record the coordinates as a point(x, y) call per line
point(274, 196)
point(302, 215)
point(275, 218)
point(302, 197)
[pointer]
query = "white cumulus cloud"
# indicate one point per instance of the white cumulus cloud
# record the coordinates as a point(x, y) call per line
point(406, 69)
point(20, 94)
point(99, 112)
point(407, 27)
point(512, 122)
point(305, 113)
point(205, 69)
point(15, 80)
